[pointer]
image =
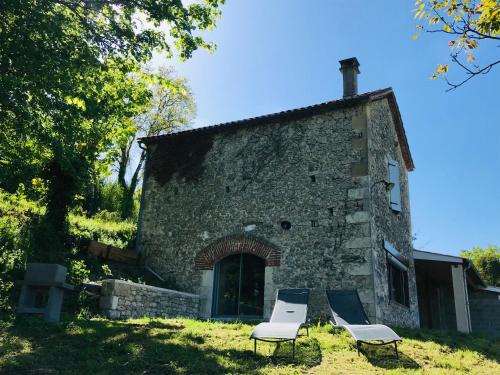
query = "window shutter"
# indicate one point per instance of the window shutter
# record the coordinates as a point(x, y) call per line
point(395, 194)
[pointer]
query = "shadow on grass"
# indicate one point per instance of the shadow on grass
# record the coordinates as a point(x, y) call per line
point(155, 323)
point(487, 346)
point(115, 347)
point(307, 352)
point(385, 357)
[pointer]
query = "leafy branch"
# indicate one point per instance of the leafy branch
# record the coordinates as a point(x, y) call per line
point(471, 73)
point(469, 22)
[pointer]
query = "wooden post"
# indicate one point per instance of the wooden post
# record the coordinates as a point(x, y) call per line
point(461, 299)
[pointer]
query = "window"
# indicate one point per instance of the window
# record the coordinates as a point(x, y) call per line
point(397, 274)
point(398, 285)
point(395, 194)
point(239, 286)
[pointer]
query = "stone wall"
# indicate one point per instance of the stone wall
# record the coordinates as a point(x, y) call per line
point(386, 224)
point(123, 299)
point(485, 312)
point(311, 172)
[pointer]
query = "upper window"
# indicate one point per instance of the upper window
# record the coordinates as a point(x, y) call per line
point(395, 194)
point(397, 273)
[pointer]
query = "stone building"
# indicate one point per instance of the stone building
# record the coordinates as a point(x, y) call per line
point(312, 197)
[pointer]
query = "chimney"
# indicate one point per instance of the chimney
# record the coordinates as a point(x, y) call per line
point(350, 71)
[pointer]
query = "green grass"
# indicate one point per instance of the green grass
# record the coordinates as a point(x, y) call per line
point(164, 346)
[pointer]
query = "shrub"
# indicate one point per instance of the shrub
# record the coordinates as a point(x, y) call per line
point(101, 228)
point(78, 272)
point(20, 220)
point(16, 214)
point(487, 262)
point(111, 196)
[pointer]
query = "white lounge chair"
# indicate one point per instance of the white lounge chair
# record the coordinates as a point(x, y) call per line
point(289, 315)
point(348, 312)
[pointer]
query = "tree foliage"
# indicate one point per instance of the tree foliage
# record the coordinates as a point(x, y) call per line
point(67, 80)
point(487, 262)
point(171, 106)
point(469, 24)
point(18, 217)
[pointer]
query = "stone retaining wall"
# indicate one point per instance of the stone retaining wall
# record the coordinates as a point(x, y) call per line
point(123, 299)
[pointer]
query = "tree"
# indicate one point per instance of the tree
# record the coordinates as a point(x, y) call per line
point(171, 106)
point(66, 82)
point(470, 24)
point(487, 262)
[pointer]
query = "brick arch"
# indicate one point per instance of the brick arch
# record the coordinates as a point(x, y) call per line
point(236, 244)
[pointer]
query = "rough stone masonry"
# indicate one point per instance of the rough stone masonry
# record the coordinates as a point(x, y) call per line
point(124, 299)
point(299, 189)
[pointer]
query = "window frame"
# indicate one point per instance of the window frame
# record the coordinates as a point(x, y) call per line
point(397, 268)
point(398, 292)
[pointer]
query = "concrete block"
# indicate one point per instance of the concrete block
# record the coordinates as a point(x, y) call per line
point(121, 289)
point(108, 302)
point(107, 287)
point(37, 273)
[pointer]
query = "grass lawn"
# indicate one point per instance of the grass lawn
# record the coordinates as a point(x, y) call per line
point(163, 346)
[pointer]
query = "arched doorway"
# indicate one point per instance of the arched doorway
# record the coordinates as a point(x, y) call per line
point(239, 286)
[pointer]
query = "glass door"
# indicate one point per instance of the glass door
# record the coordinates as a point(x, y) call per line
point(239, 286)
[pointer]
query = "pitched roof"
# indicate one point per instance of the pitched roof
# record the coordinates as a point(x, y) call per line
point(299, 113)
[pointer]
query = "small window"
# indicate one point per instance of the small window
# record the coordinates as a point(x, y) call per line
point(330, 211)
point(313, 178)
point(228, 189)
point(314, 223)
point(398, 285)
point(176, 190)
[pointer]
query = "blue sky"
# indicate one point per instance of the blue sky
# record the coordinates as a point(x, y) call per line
point(281, 54)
